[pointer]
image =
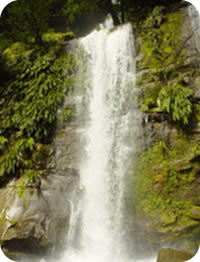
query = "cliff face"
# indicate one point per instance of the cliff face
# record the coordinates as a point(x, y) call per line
point(166, 185)
point(35, 218)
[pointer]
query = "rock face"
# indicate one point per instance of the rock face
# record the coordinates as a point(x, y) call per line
point(165, 188)
point(170, 255)
point(35, 218)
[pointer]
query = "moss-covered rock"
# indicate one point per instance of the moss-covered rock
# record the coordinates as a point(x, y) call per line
point(164, 180)
point(164, 198)
point(171, 255)
point(167, 75)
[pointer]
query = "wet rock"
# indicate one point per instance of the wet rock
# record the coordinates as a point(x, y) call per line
point(168, 219)
point(197, 87)
point(196, 128)
point(173, 181)
point(157, 117)
point(34, 218)
point(171, 255)
point(195, 212)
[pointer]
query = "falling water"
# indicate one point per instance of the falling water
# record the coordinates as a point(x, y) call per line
point(112, 81)
point(110, 133)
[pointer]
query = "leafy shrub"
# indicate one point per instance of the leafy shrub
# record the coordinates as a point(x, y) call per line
point(159, 42)
point(35, 80)
point(15, 156)
point(31, 98)
point(177, 102)
point(52, 37)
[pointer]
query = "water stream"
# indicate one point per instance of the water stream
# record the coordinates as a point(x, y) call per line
point(110, 134)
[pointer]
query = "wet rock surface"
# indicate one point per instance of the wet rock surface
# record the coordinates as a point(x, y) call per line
point(35, 218)
point(166, 210)
point(171, 255)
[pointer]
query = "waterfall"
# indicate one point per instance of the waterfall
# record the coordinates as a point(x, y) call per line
point(112, 83)
point(110, 136)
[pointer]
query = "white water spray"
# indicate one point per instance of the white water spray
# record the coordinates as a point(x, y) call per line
point(112, 72)
point(110, 135)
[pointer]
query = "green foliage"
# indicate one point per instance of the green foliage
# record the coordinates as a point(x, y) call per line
point(31, 93)
point(35, 73)
point(30, 101)
point(75, 9)
point(149, 96)
point(160, 38)
point(159, 45)
point(31, 176)
point(14, 53)
point(3, 142)
point(138, 10)
point(13, 223)
point(52, 37)
point(65, 116)
point(162, 147)
point(15, 156)
point(26, 22)
point(162, 173)
point(155, 19)
point(31, 179)
point(196, 150)
point(176, 101)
